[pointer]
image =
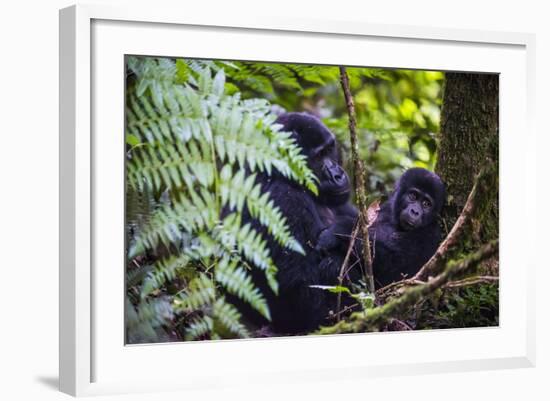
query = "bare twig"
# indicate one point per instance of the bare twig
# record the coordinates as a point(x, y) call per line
point(343, 311)
point(398, 325)
point(396, 288)
point(359, 173)
point(348, 254)
point(343, 268)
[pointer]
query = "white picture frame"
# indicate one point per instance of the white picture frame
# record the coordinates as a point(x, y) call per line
point(93, 357)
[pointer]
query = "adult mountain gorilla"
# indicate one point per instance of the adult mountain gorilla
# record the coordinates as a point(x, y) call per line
point(406, 233)
point(321, 224)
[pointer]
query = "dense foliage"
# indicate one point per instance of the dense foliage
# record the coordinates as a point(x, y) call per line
point(198, 131)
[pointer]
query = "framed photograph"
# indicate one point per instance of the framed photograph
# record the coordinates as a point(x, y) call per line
point(239, 194)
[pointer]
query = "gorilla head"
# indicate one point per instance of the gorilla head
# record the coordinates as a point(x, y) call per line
point(319, 146)
point(406, 233)
point(417, 200)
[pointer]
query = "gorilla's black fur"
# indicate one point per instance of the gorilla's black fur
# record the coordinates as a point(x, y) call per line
point(404, 236)
point(321, 224)
point(406, 232)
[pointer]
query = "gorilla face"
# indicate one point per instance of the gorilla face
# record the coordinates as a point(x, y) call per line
point(418, 199)
point(319, 146)
point(405, 233)
point(417, 209)
point(334, 185)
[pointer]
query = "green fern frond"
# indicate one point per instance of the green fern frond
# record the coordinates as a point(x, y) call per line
point(166, 71)
point(270, 78)
point(159, 311)
point(200, 292)
point(262, 208)
point(199, 328)
point(163, 271)
point(136, 275)
point(196, 150)
point(190, 213)
point(293, 164)
point(262, 77)
point(279, 73)
point(236, 190)
point(176, 114)
point(260, 84)
point(365, 72)
point(229, 317)
point(151, 73)
point(144, 320)
point(237, 282)
point(316, 74)
point(245, 240)
point(171, 165)
point(189, 71)
point(257, 143)
point(243, 130)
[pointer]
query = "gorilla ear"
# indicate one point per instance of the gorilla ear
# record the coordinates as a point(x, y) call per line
point(288, 125)
point(283, 120)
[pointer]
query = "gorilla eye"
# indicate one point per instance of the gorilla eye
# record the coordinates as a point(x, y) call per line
point(427, 204)
point(328, 149)
point(412, 196)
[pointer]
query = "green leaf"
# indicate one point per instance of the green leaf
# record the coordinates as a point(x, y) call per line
point(132, 140)
point(335, 289)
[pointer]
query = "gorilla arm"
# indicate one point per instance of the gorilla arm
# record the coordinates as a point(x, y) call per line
point(338, 233)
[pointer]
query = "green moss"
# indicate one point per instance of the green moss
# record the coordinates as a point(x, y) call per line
point(475, 306)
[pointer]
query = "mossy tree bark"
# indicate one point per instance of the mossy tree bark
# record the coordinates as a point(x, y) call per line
point(468, 142)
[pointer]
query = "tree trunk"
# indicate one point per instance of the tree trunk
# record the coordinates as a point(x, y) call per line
point(468, 142)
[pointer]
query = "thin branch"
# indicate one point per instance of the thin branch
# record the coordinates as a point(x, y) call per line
point(362, 321)
point(344, 266)
point(396, 287)
point(399, 325)
point(472, 281)
point(343, 311)
point(359, 173)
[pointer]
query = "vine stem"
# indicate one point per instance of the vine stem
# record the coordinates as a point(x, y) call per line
point(359, 178)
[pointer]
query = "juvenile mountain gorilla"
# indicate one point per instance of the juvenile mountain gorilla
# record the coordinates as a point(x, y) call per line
point(406, 232)
point(321, 224)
